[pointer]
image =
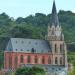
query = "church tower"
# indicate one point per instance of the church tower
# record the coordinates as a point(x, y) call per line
point(56, 39)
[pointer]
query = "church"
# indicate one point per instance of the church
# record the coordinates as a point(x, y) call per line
point(51, 53)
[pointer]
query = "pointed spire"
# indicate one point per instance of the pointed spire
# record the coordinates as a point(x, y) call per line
point(54, 7)
point(54, 18)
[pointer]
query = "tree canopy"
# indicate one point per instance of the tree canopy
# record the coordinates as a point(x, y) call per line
point(35, 26)
point(30, 71)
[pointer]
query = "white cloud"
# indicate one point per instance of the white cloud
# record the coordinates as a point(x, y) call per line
point(73, 11)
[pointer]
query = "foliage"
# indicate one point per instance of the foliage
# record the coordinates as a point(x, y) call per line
point(71, 60)
point(35, 26)
point(1, 59)
point(30, 71)
point(22, 71)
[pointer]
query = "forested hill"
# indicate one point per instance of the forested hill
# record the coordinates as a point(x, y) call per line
point(35, 26)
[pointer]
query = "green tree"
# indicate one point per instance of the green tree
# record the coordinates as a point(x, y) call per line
point(22, 71)
point(37, 71)
point(30, 71)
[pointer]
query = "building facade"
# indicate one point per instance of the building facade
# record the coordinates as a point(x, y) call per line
point(51, 53)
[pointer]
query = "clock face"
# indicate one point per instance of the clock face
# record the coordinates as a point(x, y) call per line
point(58, 33)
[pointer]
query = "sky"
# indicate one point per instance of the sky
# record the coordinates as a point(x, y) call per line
point(24, 8)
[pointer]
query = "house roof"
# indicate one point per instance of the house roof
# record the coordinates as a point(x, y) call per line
point(28, 45)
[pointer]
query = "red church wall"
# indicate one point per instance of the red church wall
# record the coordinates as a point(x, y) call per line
point(13, 61)
point(6, 59)
point(25, 55)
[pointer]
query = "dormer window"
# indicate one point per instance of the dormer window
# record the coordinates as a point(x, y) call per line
point(21, 49)
point(16, 49)
point(59, 68)
point(52, 68)
point(16, 41)
point(33, 51)
point(36, 43)
point(27, 50)
point(22, 42)
point(29, 42)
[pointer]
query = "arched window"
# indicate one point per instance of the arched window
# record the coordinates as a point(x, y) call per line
point(49, 60)
point(56, 60)
point(55, 48)
point(36, 59)
point(28, 59)
point(61, 48)
point(16, 61)
point(61, 60)
point(22, 59)
point(53, 31)
point(43, 60)
point(10, 60)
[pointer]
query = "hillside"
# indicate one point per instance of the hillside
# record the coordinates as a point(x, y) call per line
point(71, 60)
point(35, 26)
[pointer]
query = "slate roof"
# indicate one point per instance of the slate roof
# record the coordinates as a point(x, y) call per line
point(28, 45)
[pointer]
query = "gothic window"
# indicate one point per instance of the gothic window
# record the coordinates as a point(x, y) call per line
point(49, 60)
point(16, 61)
point(28, 59)
point(22, 59)
point(61, 48)
point(56, 60)
point(10, 60)
point(53, 31)
point(55, 48)
point(43, 60)
point(61, 60)
point(36, 59)
point(61, 37)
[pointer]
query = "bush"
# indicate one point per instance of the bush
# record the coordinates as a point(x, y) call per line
point(30, 71)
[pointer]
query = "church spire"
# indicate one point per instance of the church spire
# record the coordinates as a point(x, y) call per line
point(54, 17)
